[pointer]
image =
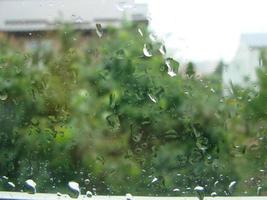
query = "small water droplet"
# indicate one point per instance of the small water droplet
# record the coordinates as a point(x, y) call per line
point(212, 90)
point(162, 49)
point(129, 196)
point(3, 95)
point(99, 30)
point(89, 194)
point(153, 99)
point(154, 180)
point(172, 65)
point(231, 187)
point(31, 185)
point(87, 181)
point(259, 189)
point(153, 37)
point(213, 194)
point(140, 32)
point(147, 50)
point(11, 184)
point(176, 190)
point(200, 192)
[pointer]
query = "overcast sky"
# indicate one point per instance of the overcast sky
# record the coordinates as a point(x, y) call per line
point(206, 29)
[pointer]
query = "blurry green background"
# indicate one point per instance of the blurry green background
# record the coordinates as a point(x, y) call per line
point(96, 108)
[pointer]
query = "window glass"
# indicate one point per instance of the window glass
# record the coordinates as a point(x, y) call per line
point(135, 98)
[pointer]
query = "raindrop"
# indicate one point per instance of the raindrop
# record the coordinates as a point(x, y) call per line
point(89, 194)
point(99, 30)
point(31, 185)
point(140, 32)
point(147, 50)
point(231, 187)
point(3, 96)
point(162, 49)
point(11, 184)
point(212, 90)
point(213, 194)
point(153, 99)
point(259, 189)
point(172, 66)
point(154, 180)
point(153, 37)
point(74, 187)
point(87, 181)
point(129, 196)
point(200, 192)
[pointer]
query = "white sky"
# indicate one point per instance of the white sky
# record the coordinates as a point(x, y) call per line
point(203, 30)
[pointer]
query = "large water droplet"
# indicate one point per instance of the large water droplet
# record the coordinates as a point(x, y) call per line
point(172, 66)
point(147, 50)
point(99, 30)
point(75, 188)
point(3, 95)
point(200, 192)
point(231, 187)
point(31, 185)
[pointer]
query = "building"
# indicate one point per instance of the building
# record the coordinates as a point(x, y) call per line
point(242, 70)
point(46, 15)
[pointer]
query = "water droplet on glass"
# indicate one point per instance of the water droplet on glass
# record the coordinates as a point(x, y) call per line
point(74, 187)
point(89, 194)
point(154, 180)
point(99, 30)
point(140, 32)
point(153, 37)
point(31, 185)
point(153, 99)
point(129, 196)
point(200, 192)
point(212, 90)
point(147, 50)
point(231, 187)
point(87, 181)
point(11, 184)
point(213, 194)
point(259, 189)
point(162, 49)
point(172, 66)
point(176, 190)
point(3, 95)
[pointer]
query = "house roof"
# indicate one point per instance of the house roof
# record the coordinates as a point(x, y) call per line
point(254, 40)
point(41, 15)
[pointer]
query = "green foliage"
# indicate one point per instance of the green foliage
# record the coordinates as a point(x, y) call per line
point(99, 109)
